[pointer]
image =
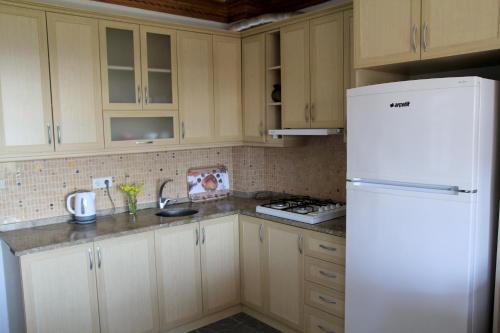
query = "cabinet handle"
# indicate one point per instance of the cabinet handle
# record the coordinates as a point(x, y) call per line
point(202, 235)
point(146, 96)
point(424, 37)
point(58, 134)
point(183, 130)
point(49, 133)
point(138, 94)
point(322, 329)
point(324, 299)
point(312, 112)
point(197, 233)
point(328, 275)
point(261, 131)
point(91, 260)
point(99, 257)
point(300, 244)
point(144, 142)
point(328, 248)
point(261, 236)
point(414, 38)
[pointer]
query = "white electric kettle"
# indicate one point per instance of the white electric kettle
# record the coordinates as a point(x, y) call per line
point(84, 206)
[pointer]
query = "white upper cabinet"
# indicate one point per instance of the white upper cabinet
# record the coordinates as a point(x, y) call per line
point(76, 82)
point(25, 108)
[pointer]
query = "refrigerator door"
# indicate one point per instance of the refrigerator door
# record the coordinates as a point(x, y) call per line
point(409, 259)
point(423, 136)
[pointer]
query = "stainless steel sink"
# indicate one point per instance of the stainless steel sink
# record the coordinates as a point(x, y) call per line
point(175, 212)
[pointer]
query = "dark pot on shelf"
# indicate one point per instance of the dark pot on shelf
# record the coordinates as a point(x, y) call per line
point(276, 94)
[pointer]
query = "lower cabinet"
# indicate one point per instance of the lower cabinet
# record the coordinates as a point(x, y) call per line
point(60, 293)
point(179, 275)
point(126, 284)
point(220, 263)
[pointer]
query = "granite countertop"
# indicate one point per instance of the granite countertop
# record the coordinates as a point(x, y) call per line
point(35, 239)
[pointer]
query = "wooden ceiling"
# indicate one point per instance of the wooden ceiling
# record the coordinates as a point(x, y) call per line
point(225, 11)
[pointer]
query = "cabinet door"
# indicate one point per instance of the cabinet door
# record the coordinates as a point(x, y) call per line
point(252, 262)
point(295, 76)
point(159, 68)
point(459, 26)
point(227, 88)
point(327, 86)
point(25, 114)
point(220, 263)
point(144, 128)
point(196, 98)
point(60, 292)
point(76, 82)
point(126, 283)
point(254, 87)
point(349, 72)
point(285, 274)
point(386, 31)
point(120, 66)
point(179, 275)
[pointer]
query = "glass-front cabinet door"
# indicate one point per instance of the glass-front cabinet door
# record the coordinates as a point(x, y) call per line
point(159, 77)
point(135, 129)
point(120, 66)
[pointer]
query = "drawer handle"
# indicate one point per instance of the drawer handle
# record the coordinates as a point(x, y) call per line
point(324, 299)
point(322, 329)
point(329, 248)
point(329, 275)
point(144, 142)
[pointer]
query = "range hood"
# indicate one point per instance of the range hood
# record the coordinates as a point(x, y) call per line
point(305, 131)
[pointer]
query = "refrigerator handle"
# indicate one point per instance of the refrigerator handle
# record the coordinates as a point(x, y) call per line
point(394, 185)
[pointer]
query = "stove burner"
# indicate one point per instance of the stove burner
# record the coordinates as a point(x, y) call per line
point(280, 205)
point(303, 210)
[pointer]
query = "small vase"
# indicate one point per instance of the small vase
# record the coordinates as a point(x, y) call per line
point(276, 94)
point(132, 204)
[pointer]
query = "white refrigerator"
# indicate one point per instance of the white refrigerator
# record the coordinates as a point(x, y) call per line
point(421, 206)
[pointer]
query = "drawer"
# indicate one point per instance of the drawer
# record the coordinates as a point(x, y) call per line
point(325, 273)
point(321, 322)
point(324, 299)
point(325, 247)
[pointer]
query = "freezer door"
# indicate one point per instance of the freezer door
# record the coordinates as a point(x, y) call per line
point(419, 136)
point(408, 261)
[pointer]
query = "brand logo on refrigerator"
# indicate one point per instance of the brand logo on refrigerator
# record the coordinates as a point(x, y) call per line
point(400, 105)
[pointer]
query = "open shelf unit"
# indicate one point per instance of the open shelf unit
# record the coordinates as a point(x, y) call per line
point(273, 77)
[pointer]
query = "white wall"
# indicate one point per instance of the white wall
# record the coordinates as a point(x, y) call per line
point(4, 317)
point(11, 304)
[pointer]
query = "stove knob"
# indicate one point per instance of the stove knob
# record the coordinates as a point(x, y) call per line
point(331, 206)
point(338, 205)
point(321, 209)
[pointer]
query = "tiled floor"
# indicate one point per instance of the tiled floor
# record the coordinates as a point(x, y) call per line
point(240, 323)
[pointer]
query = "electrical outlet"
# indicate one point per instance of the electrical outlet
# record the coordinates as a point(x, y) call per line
point(3, 184)
point(101, 182)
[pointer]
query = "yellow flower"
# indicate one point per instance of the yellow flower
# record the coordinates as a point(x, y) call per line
point(131, 189)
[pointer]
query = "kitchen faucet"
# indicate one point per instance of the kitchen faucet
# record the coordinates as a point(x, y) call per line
point(162, 202)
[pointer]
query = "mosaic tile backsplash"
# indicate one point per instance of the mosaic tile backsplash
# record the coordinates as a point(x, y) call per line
point(37, 189)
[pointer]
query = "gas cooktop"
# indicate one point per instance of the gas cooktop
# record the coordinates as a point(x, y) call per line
point(303, 209)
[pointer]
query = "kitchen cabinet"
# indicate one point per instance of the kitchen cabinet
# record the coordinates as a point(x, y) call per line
point(196, 99)
point(313, 73)
point(386, 31)
point(252, 262)
point(220, 263)
point(24, 82)
point(179, 275)
point(120, 66)
point(126, 284)
point(284, 260)
point(295, 90)
point(459, 26)
point(254, 100)
point(138, 67)
point(327, 71)
point(146, 128)
point(75, 82)
point(227, 88)
point(60, 293)
point(317, 321)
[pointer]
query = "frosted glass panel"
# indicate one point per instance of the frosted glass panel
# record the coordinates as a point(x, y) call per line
point(141, 128)
point(159, 68)
point(121, 75)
